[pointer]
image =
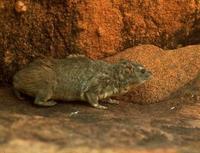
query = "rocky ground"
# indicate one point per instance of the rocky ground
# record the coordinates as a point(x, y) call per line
point(172, 125)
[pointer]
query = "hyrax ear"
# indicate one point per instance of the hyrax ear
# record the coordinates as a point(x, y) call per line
point(123, 61)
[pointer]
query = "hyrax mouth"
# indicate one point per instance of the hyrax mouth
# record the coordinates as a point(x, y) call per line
point(148, 74)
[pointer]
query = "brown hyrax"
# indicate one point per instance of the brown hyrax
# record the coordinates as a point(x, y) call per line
point(78, 78)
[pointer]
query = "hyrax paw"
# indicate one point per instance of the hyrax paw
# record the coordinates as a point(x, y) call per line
point(100, 106)
point(46, 103)
point(113, 101)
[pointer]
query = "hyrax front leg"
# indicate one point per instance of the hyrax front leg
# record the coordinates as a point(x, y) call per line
point(93, 100)
point(43, 98)
point(112, 101)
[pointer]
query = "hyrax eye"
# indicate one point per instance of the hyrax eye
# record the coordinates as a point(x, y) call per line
point(142, 70)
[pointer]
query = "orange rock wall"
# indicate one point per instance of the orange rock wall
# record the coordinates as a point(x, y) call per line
point(109, 26)
point(97, 28)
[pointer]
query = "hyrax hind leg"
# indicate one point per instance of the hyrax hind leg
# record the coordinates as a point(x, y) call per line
point(18, 94)
point(43, 97)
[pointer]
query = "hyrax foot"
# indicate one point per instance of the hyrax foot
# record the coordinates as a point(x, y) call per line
point(18, 94)
point(45, 103)
point(93, 101)
point(44, 98)
point(99, 106)
point(112, 101)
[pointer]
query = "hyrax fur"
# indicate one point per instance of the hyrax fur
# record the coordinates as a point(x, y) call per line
point(78, 78)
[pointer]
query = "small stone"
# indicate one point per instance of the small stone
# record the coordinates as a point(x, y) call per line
point(73, 113)
point(2, 6)
point(172, 108)
point(197, 97)
point(20, 7)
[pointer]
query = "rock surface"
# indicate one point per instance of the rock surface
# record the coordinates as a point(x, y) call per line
point(172, 69)
point(97, 28)
point(169, 127)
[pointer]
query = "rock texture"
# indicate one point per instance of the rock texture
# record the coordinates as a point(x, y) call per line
point(109, 26)
point(172, 69)
point(97, 28)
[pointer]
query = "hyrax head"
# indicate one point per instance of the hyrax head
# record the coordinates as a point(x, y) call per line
point(131, 74)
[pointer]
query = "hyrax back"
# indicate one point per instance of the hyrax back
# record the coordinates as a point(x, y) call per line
point(77, 78)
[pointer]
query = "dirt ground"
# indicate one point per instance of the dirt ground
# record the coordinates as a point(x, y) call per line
point(172, 126)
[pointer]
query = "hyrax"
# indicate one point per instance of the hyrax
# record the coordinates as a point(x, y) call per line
point(78, 78)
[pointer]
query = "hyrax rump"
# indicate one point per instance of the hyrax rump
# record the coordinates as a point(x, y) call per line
point(77, 78)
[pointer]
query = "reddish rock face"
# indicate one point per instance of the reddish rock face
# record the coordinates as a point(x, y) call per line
point(102, 23)
point(111, 26)
point(97, 28)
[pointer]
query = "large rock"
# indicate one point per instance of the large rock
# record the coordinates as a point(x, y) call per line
point(97, 28)
point(172, 69)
